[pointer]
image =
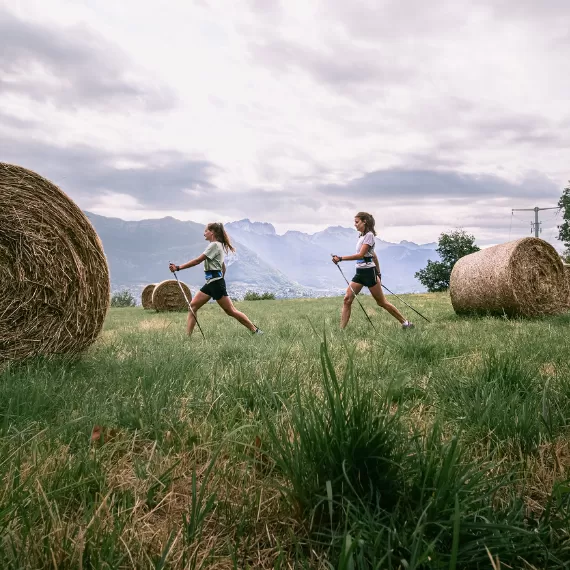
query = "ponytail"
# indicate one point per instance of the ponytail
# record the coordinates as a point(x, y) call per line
point(217, 228)
point(369, 222)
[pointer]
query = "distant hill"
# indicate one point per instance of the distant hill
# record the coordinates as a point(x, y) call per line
point(290, 265)
point(139, 252)
point(306, 258)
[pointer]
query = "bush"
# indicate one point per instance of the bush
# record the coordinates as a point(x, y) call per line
point(451, 247)
point(123, 299)
point(253, 296)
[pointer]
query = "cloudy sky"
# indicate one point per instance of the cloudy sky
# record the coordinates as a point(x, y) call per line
point(430, 115)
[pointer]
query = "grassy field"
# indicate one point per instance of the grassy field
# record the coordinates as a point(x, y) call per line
point(441, 447)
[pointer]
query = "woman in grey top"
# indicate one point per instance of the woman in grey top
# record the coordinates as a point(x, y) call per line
point(367, 271)
point(214, 271)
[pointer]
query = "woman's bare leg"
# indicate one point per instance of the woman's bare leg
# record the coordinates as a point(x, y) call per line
point(347, 303)
point(228, 306)
point(199, 300)
point(380, 299)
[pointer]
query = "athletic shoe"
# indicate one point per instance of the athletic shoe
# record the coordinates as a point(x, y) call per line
point(257, 331)
point(407, 325)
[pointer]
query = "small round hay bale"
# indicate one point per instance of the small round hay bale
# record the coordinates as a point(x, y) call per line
point(53, 272)
point(168, 297)
point(518, 278)
point(146, 296)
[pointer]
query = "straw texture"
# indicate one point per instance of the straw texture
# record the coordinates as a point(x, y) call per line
point(567, 280)
point(519, 278)
point(53, 271)
point(146, 296)
point(168, 297)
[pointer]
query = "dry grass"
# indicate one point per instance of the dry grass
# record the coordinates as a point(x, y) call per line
point(241, 493)
point(543, 470)
point(548, 370)
point(107, 338)
point(154, 325)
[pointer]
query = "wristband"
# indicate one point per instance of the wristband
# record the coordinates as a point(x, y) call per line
point(339, 258)
point(178, 268)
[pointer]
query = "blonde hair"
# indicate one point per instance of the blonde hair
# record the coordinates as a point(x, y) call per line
point(217, 228)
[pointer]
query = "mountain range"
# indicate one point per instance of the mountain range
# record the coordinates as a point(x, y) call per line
point(294, 264)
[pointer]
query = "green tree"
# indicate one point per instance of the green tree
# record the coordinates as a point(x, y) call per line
point(451, 247)
point(564, 227)
point(123, 299)
point(253, 296)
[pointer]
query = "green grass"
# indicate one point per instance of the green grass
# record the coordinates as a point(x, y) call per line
point(306, 447)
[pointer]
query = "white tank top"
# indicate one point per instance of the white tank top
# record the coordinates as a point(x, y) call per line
point(367, 239)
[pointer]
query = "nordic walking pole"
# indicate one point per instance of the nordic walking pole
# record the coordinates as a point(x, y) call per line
point(188, 303)
point(404, 302)
point(356, 297)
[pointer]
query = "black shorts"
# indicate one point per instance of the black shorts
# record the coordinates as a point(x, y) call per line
point(366, 276)
point(216, 289)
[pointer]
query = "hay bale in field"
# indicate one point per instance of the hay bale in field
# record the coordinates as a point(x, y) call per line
point(518, 278)
point(146, 297)
point(566, 267)
point(168, 297)
point(53, 272)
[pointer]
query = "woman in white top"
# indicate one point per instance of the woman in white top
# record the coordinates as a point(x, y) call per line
point(367, 271)
point(214, 271)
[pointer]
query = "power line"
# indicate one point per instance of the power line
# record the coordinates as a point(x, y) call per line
point(555, 226)
point(520, 219)
point(536, 224)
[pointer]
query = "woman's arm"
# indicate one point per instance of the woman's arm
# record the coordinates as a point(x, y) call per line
point(188, 264)
point(375, 257)
point(193, 262)
point(223, 269)
point(363, 252)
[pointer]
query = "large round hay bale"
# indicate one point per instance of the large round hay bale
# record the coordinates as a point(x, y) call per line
point(53, 272)
point(518, 278)
point(167, 296)
point(146, 296)
point(566, 267)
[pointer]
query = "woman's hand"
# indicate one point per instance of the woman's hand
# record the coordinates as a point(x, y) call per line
point(336, 259)
point(173, 267)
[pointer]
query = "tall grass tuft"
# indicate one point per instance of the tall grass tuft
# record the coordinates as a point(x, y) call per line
point(376, 497)
point(503, 402)
point(341, 443)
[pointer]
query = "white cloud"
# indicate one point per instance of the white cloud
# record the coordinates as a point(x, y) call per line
point(113, 201)
point(292, 97)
